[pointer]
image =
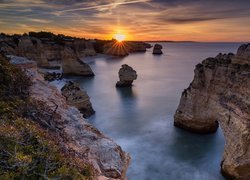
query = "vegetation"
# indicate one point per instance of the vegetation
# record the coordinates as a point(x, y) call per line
point(28, 149)
point(59, 38)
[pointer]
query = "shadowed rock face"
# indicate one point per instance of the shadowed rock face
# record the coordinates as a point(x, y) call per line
point(157, 49)
point(220, 93)
point(116, 48)
point(48, 54)
point(127, 75)
point(78, 98)
point(76, 135)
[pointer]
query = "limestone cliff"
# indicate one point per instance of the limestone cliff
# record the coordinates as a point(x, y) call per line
point(116, 48)
point(76, 136)
point(220, 94)
point(48, 54)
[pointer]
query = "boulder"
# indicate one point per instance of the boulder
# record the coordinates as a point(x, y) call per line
point(127, 75)
point(77, 97)
point(220, 95)
point(157, 49)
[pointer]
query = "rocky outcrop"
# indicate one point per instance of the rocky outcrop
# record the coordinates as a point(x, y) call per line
point(157, 49)
point(77, 136)
point(83, 48)
point(124, 48)
point(127, 75)
point(220, 94)
point(78, 98)
point(138, 46)
point(243, 55)
point(47, 54)
point(115, 48)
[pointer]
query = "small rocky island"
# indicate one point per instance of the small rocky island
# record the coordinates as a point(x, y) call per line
point(219, 95)
point(126, 75)
point(157, 49)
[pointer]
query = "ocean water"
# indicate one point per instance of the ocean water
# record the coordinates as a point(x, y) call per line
point(140, 119)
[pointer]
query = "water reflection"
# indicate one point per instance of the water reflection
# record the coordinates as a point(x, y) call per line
point(126, 93)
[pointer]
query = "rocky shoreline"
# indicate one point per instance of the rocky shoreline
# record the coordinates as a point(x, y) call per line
point(65, 53)
point(219, 96)
point(77, 136)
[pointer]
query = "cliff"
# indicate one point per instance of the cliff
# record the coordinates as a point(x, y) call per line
point(220, 95)
point(124, 48)
point(49, 53)
point(66, 130)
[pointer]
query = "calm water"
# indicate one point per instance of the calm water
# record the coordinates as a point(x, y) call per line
point(140, 119)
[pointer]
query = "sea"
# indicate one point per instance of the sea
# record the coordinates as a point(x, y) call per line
point(140, 118)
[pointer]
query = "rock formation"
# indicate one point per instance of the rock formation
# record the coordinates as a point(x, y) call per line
point(83, 48)
point(138, 46)
point(157, 49)
point(47, 54)
point(127, 75)
point(77, 136)
point(75, 96)
point(115, 48)
point(220, 94)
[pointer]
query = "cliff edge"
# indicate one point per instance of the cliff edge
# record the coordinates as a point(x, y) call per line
point(220, 95)
point(68, 131)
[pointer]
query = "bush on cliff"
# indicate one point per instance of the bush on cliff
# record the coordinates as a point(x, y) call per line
point(27, 149)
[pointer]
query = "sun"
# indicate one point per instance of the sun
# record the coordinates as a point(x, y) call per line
point(119, 37)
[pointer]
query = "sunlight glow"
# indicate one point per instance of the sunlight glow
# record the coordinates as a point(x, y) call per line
point(119, 37)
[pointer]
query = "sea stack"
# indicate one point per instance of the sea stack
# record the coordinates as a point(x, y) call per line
point(127, 75)
point(157, 49)
point(220, 95)
point(75, 96)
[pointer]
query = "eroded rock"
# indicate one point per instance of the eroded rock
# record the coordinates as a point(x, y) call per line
point(77, 97)
point(220, 93)
point(243, 55)
point(127, 75)
point(47, 54)
point(157, 49)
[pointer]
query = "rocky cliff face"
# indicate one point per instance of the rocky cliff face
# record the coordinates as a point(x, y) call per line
point(220, 94)
point(48, 54)
point(115, 48)
point(77, 136)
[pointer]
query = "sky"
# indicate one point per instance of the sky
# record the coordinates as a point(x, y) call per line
point(178, 20)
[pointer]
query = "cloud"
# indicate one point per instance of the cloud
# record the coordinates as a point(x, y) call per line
point(140, 19)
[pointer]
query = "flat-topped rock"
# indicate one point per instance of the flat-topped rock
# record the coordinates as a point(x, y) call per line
point(127, 75)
